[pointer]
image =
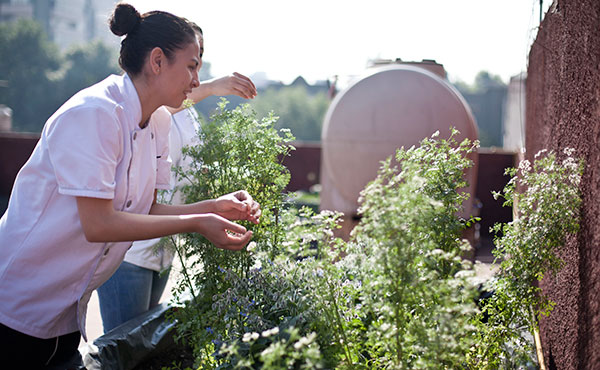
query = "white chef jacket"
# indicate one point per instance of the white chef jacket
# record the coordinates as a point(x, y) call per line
point(184, 132)
point(92, 146)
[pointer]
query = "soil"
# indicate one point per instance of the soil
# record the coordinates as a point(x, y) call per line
point(178, 357)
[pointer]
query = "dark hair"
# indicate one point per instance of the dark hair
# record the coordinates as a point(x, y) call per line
point(147, 31)
point(195, 27)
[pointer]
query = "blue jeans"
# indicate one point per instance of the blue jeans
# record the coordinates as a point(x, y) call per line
point(131, 291)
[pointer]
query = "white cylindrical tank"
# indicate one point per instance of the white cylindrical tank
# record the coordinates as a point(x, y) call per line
point(389, 107)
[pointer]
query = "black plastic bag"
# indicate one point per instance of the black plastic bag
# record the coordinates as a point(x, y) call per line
point(132, 342)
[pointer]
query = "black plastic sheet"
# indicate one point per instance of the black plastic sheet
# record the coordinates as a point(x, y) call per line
point(129, 344)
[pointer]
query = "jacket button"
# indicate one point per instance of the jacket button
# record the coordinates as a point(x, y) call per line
point(128, 203)
point(134, 135)
point(152, 135)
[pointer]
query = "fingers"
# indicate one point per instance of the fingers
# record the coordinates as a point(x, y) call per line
point(236, 242)
point(232, 226)
point(247, 80)
point(255, 213)
point(238, 206)
point(243, 196)
point(236, 201)
point(233, 237)
point(243, 86)
point(252, 208)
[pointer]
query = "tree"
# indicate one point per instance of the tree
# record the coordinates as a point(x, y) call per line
point(486, 98)
point(86, 65)
point(27, 61)
point(39, 79)
point(299, 111)
point(483, 81)
point(204, 73)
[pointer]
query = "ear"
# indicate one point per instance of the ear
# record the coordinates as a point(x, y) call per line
point(156, 59)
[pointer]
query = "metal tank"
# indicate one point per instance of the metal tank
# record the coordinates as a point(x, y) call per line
point(390, 106)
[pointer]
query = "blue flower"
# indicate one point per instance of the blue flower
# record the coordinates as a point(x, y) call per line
point(209, 330)
point(221, 268)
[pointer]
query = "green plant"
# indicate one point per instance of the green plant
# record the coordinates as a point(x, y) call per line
point(289, 350)
point(398, 294)
point(417, 298)
point(282, 293)
point(237, 152)
point(547, 199)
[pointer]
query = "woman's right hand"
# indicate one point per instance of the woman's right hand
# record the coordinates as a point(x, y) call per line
point(234, 84)
point(223, 233)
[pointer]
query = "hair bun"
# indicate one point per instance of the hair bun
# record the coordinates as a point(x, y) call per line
point(124, 19)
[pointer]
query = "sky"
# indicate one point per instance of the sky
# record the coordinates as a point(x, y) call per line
point(319, 39)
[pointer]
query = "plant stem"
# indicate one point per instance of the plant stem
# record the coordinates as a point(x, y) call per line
point(184, 269)
point(538, 341)
point(341, 328)
point(398, 343)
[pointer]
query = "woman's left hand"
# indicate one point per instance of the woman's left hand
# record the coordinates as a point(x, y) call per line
point(238, 205)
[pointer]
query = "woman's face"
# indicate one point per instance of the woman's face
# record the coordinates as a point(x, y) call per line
point(180, 74)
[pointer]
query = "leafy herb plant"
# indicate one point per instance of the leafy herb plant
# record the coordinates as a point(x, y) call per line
point(418, 290)
point(547, 199)
point(237, 151)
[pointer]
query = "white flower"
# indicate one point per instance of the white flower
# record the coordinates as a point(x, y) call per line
point(249, 336)
point(525, 165)
point(304, 341)
point(257, 265)
point(269, 332)
point(464, 274)
point(540, 153)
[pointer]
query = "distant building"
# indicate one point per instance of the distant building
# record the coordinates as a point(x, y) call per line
point(15, 9)
point(317, 87)
point(66, 22)
point(487, 107)
point(514, 114)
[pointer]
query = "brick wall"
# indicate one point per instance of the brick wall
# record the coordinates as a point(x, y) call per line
point(563, 110)
point(15, 149)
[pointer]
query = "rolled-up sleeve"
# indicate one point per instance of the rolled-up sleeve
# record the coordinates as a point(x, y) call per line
point(84, 146)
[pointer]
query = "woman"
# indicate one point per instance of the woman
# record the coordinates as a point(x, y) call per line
point(139, 282)
point(89, 189)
